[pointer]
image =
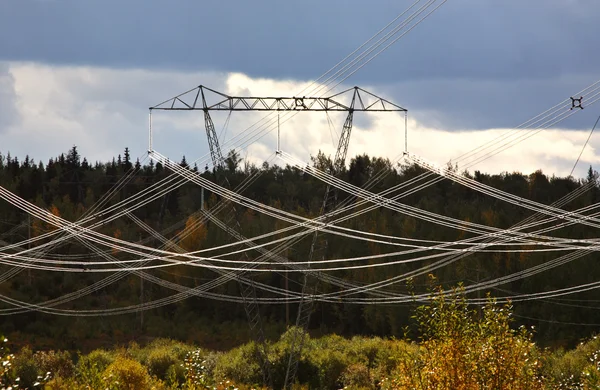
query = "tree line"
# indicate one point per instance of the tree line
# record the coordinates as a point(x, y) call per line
point(69, 186)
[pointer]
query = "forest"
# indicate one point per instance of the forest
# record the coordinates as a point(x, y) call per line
point(69, 186)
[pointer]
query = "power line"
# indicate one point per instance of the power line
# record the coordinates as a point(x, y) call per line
point(584, 145)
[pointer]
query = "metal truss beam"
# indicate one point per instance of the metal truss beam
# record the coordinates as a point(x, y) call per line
point(195, 99)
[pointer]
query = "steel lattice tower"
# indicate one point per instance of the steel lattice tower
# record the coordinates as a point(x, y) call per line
point(360, 100)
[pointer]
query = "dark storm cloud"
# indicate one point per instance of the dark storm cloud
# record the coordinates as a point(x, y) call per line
point(465, 38)
point(471, 64)
point(271, 38)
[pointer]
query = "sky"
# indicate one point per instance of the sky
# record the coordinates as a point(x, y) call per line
point(85, 73)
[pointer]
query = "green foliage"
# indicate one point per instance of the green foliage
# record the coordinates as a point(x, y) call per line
point(356, 376)
point(164, 359)
point(26, 372)
point(575, 369)
point(195, 370)
point(175, 375)
point(159, 362)
point(240, 365)
point(126, 374)
point(176, 349)
point(486, 353)
point(463, 348)
point(329, 356)
point(59, 363)
point(331, 362)
point(389, 357)
point(99, 358)
point(279, 358)
point(6, 363)
point(591, 373)
point(61, 383)
point(89, 369)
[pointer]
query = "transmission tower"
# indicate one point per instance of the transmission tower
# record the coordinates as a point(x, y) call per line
point(350, 101)
point(318, 248)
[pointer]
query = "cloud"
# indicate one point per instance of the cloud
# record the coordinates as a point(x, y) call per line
point(465, 104)
point(100, 110)
point(471, 65)
point(463, 39)
point(103, 110)
point(8, 97)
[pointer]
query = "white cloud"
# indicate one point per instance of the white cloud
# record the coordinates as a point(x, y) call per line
point(8, 111)
point(104, 110)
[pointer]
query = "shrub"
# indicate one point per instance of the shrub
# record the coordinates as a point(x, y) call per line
point(240, 365)
point(389, 356)
point(576, 369)
point(209, 362)
point(60, 383)
point(365, 350)
point(194, 368)
point(90, 368)
point(177, 349)
point(199, 369)
point(591, 373)
point(135, 352)
point(58, 363)
point(126, 374)
point(99, 357)
point(26, 370)
point(175, 375)
point(6, 361)
point(279, 355)
point(330, 365)
point(565, 370)
point(356, 376)
point(462, 350)
point(159, 360)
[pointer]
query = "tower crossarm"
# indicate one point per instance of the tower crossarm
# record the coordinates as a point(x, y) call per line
point(207, 99)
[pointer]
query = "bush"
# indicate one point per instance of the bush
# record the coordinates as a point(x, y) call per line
point(177, 349)
point(279, 355)
point(575, 369)
point(462, 350)
point(175, 375)
point(330, 365)
point(365, 350)
point(6, 361)
point(389, 356)
point(240, 365)
point(209, 362)
point(60, 383)
point(560, 364)
point(99, 358)
point(58, 363)
point(356, 376)
point(199, 369)
point(90, 368)
point(26, 370)
point(126, 374)
point(159, 360)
